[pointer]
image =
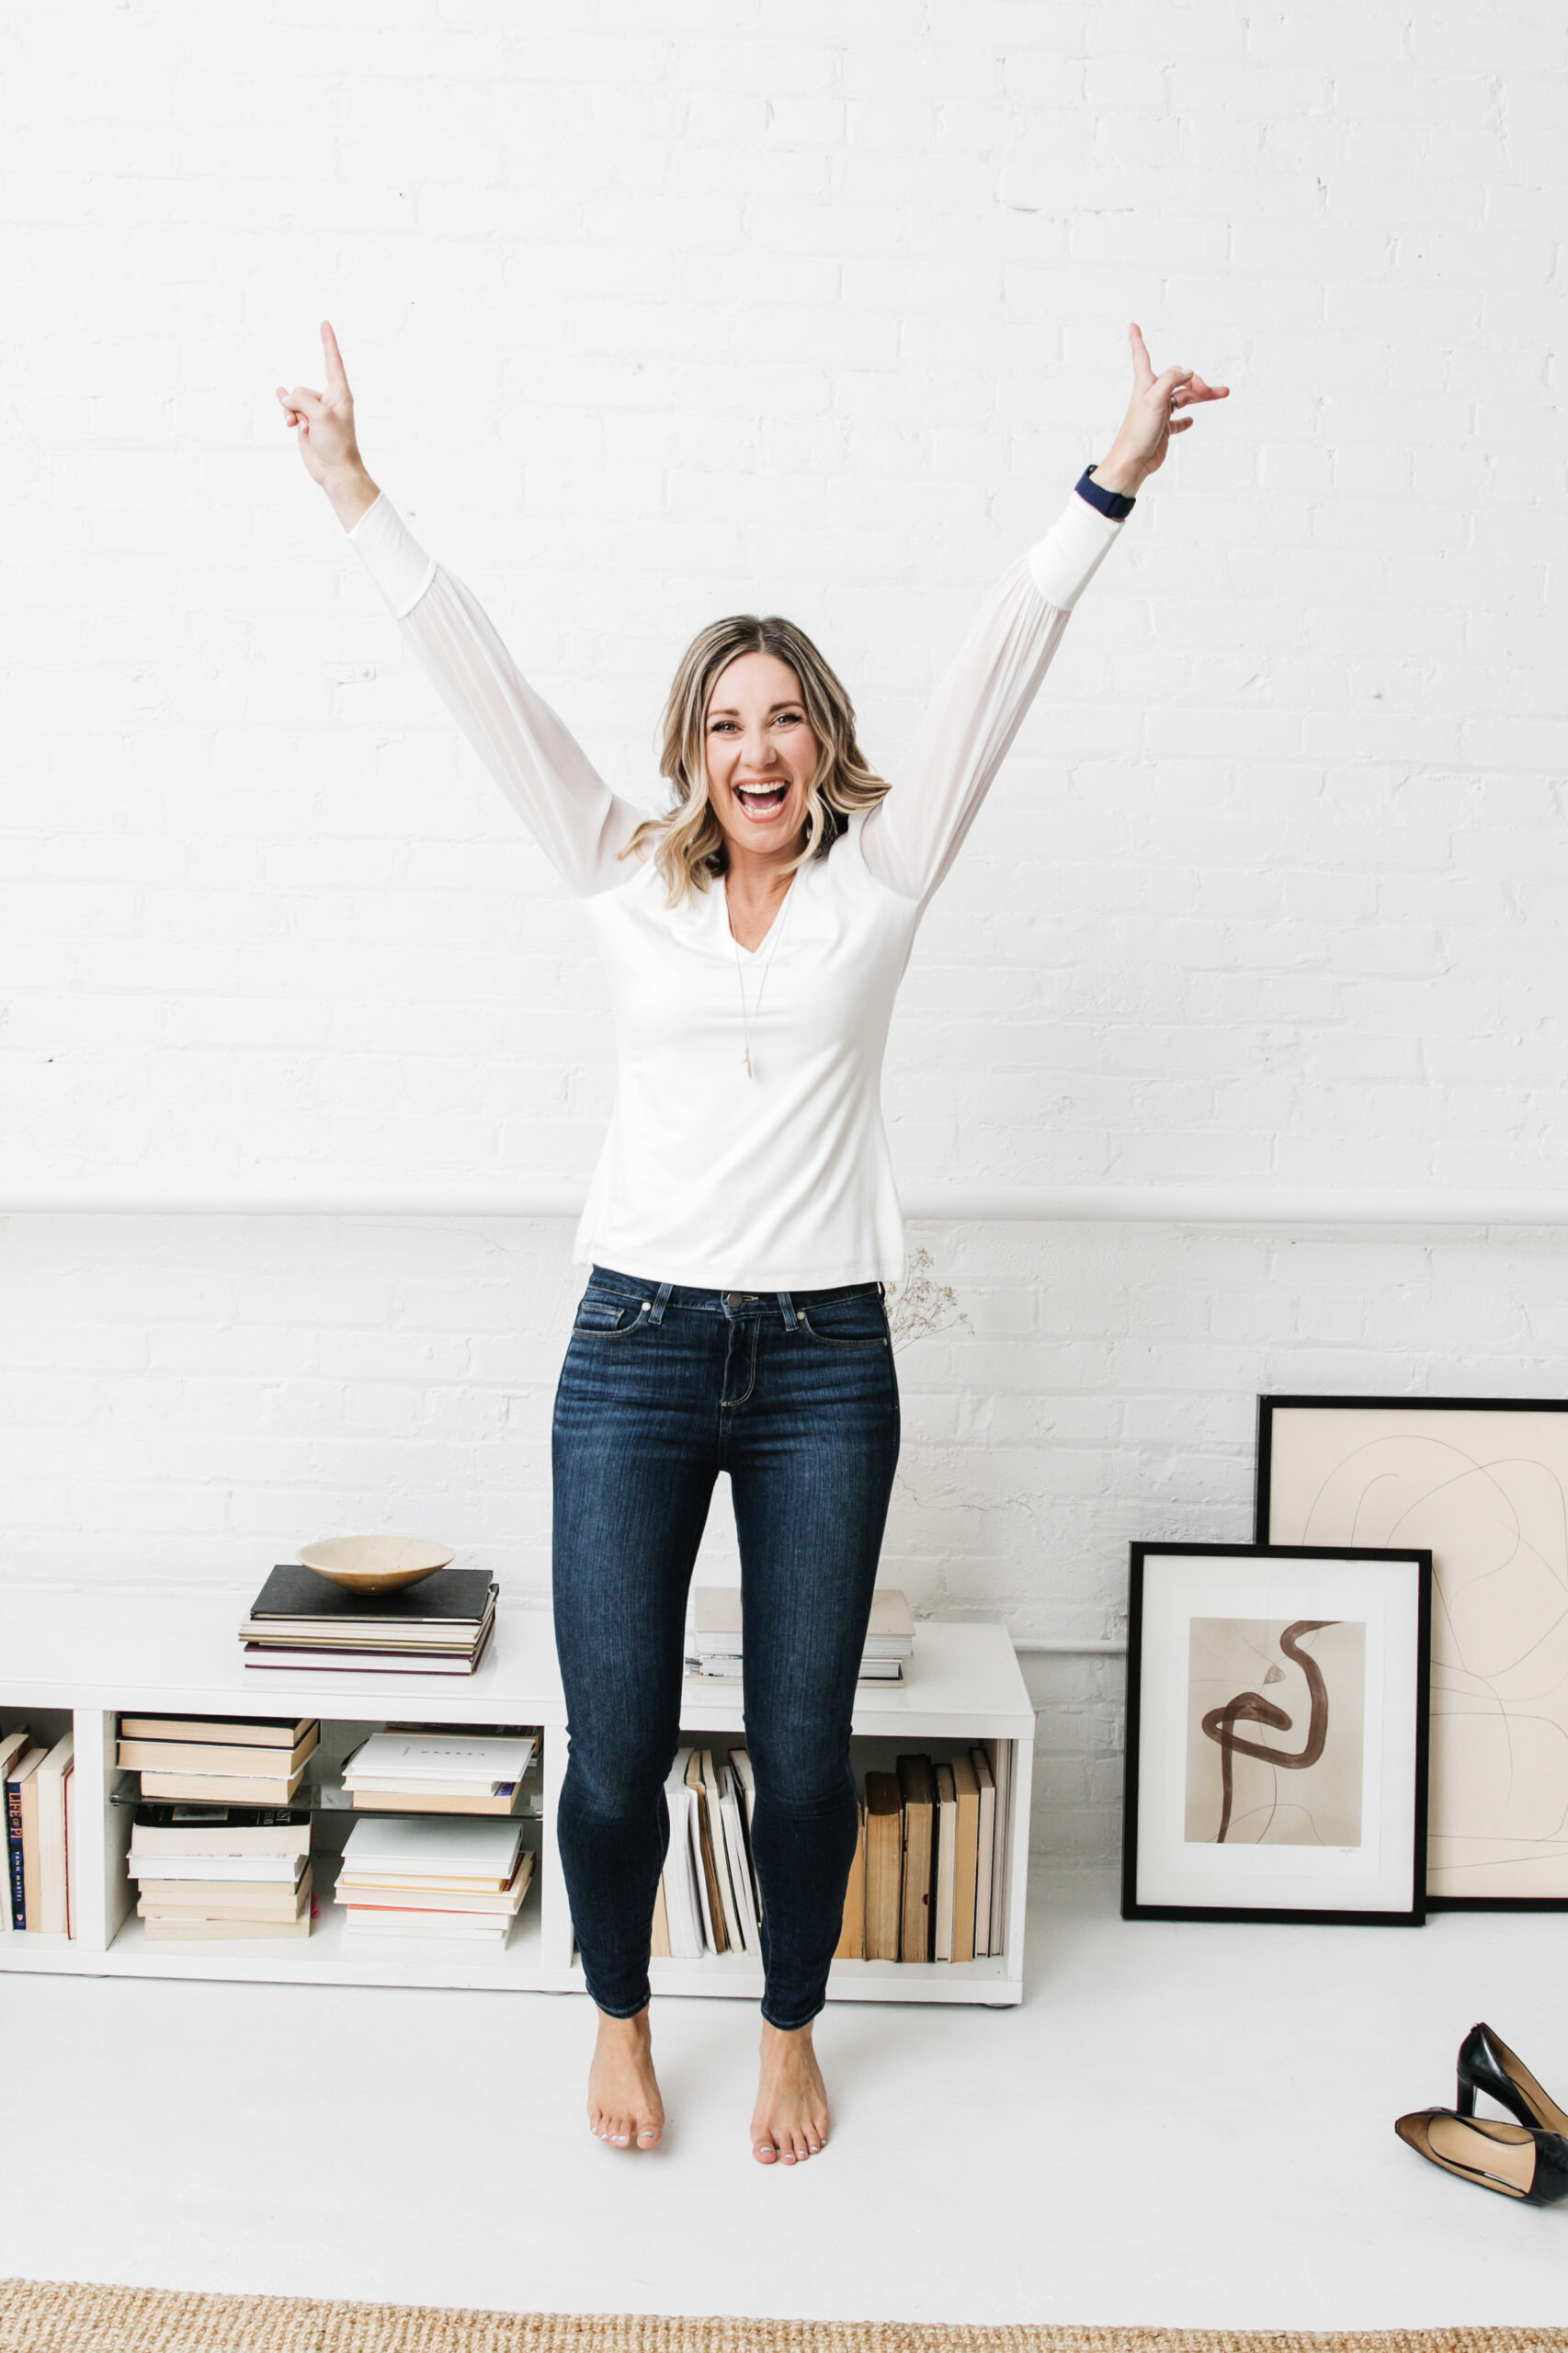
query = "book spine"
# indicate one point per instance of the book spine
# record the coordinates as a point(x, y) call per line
point(16, 1882)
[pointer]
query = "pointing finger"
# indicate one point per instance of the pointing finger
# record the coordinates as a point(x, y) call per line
point(1142, 366)
point(336, 375)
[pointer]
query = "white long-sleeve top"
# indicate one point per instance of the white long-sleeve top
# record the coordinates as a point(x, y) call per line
point(783, 1180)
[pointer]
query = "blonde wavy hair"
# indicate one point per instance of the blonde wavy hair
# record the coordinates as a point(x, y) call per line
point(688, 844)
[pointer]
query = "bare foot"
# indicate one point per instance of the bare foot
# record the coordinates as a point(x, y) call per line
point(624, 2106)
point(790, 2121)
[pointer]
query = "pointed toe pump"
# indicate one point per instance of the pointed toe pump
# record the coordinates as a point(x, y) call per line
point(1509, 2158)
point(1487, 2065)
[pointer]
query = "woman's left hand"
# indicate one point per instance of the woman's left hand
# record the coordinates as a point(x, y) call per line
point(1151, 417)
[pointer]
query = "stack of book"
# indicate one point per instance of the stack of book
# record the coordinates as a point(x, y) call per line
point(220, 1872)
point(439, 1626)
point(39, 1834)
point(714, 1649)
point(931, 1877)
point(429, 1768)
point(708, 1899)
point(463, 1881)
point(219, 1760)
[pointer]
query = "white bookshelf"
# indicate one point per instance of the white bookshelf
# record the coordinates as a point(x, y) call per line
point(91, 1655)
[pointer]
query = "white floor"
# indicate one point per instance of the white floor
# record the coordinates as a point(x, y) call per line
point(1181, 2125)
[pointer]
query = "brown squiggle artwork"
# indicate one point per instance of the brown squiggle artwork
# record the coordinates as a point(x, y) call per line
point(1314, 1668)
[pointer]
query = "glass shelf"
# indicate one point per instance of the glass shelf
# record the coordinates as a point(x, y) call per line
point(322, 1792)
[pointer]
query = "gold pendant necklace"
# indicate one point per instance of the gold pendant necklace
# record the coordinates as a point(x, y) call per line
point(779, 920)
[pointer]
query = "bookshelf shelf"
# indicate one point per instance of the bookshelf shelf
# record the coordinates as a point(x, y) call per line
point(91, 1655)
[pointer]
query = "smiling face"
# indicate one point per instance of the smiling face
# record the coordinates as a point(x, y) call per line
point(762, 754)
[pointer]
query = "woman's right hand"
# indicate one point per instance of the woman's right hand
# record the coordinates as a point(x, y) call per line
point(326, 422)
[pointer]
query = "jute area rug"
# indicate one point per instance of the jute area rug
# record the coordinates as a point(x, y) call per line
point(54, 2317)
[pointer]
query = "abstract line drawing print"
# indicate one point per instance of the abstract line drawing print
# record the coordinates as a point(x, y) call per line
point(1304, 1682)
point(1487, 1493)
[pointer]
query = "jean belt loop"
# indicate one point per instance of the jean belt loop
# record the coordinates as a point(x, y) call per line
point(786, 1307)
point(662, 1302)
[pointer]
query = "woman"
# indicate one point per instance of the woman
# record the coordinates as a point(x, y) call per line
point(742, 1222)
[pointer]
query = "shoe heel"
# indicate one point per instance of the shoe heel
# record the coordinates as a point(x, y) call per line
point(1464, 2097)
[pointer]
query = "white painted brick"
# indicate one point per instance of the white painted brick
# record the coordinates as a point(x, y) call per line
point(1270, 888)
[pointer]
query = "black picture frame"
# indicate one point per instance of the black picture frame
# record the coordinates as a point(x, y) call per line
point(1410, 1916)
point(1268, 1406)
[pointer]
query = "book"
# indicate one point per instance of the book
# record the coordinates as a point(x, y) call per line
point(659, 1935)
point(525, 1798)
point(727, 1896)
point(12, 1745)
point(32, 1892)
point(1000, 1753)
point(222, 1786)
point(884, 1865)
point(985, 1854)
point(193, 1828)
point(366, 1662)
point(71, 1849)
point(917, 1786)
point(713, 1918)
point(966, 1789)
point(446, 1851)
point(947, 1833)
point(451, 1598)
point(712, 1668)
point(224, 1900)
point(425, 1928)
point(716, 1623)
point(50, 1780)
point(740, 1765)
point(851, 1945)
point(484, 1902)
point(248, 1731)
point(18, 1775)
point(678, 1882)
point(192, 1932)
point(739, 1860)
point(691, 1815)
point(218, 1870)
point(443, 1762)
point(212, 1757)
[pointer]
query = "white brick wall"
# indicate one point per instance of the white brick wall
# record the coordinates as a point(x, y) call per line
point(652, 312)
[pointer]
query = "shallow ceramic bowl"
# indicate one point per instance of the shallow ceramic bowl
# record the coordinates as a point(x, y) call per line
point(375, 1563)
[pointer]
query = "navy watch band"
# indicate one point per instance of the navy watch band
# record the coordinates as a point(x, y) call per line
point(1114, 502)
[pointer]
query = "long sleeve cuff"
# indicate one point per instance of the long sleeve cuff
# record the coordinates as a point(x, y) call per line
point(1066, 559)
point(394, 557)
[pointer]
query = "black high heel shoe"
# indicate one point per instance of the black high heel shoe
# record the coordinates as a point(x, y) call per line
point(1509, 2158)
point(1487, 2065)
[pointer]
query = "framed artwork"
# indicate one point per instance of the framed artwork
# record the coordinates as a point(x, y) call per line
point(1482, 1484)
point(1276, 1734)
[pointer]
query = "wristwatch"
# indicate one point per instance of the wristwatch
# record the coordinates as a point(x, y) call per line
point(1114, 502)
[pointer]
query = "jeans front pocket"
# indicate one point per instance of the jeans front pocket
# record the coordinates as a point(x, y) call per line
point(602, 1317)
point(852, 1323)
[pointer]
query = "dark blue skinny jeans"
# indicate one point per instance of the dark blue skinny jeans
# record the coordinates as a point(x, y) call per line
point(794, 1394)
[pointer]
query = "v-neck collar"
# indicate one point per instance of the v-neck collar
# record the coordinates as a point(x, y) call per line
point(750, 954)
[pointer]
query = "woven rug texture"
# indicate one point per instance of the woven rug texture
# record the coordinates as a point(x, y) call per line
point(60, 2316)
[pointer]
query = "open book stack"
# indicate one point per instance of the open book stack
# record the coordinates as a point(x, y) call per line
point(219, 1760)
point(707, 1899)
point(439, 1626)
point(428, 1768)
point(713, 1645)
point(463, 1881)
point(39, 1782)
point(929, 1881)
point(221, 1872)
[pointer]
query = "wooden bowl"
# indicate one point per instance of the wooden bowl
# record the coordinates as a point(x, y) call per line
point(375, 1563)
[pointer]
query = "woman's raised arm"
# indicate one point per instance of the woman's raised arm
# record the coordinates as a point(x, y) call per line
point(572, 814)
point(911, 839)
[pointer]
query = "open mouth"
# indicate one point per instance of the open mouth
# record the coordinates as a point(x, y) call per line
point(762, 801)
